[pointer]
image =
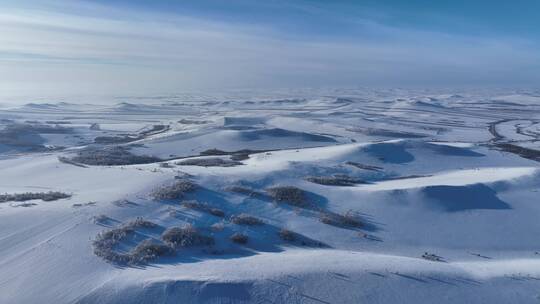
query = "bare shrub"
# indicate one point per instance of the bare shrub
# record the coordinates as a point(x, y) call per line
point(148, 250)
point(139, 222)
point(288, 194)
point(186, 236)
point(203, 208)
point(349, 219)
point(336, 180)
point(26, 196)
point(217, 227)
point(246, 219)
point(174, 191)
point(239, 238)
point(209, 162)
point(106, 241)
point(287, 235)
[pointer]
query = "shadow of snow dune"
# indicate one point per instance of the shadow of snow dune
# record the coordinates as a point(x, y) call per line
point(461, 198)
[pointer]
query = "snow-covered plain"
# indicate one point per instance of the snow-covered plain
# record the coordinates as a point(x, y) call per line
point(451, 174)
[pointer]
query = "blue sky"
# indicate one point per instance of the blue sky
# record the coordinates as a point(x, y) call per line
point(481, 17)
point(136, 46)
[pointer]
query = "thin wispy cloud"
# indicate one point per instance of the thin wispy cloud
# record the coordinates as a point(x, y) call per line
point(81, 46)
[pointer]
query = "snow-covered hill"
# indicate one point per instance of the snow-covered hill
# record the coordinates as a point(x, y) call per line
point(363, 197)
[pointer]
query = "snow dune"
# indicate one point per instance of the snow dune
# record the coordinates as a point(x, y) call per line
point(469, 203)
point(452, 178)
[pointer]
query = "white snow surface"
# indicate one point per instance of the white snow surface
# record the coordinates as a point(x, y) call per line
point(437, 173)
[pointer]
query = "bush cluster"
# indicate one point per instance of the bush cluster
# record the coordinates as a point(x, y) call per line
point(239, 238)
point(186, 236)
point(288, 194)
point(287, 235)
point(349, 219)
point(175, 191)
point(111, 156)
point(209, 162)
point(335, 180)
point(148, 250)
point(203, 208)
point(246, 219)
point(26, 196)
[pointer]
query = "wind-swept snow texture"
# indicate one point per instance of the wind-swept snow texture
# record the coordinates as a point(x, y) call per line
point(353, 196)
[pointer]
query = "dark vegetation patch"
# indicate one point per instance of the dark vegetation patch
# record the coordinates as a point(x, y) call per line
point(432, 257)
point(288, 194)
point(239, 157)
point(24, 205)
point(298, 239)
point(155, 129)
point(235, 155)
point(386, 133)
point(187, 236)
point(209, 162)
point(165, 165)
point(203, 207)
point(58, 122)
point(107, 140)
point(77, 205)
point(363, 166)
point(287, 235)
point(26, 196)
point(406, 177)
point(518, 150)
point(214, 152)
point(111, 156)
point(246, 220)
point(126, 138)
point(239, 238)
point(69, 161)
point(335, 180)
point(193, 121)
point(349, 219)
point(177, 190)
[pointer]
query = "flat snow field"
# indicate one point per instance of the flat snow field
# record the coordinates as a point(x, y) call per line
point(356, 196)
